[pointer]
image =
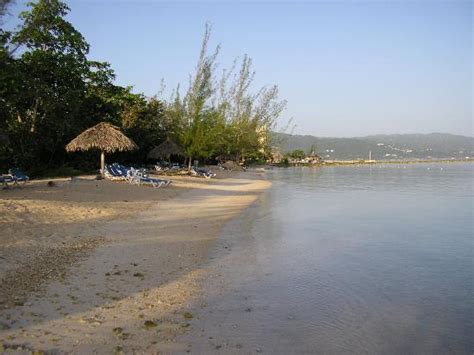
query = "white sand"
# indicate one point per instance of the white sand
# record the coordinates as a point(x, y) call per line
point(117, 256)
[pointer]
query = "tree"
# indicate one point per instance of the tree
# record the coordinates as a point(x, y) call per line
point(198, 121)
point(146, 123)
point(218, 118)
point(249, 117)
point(297, 154)
point(45, 84)
point(45, 28)
point(50, 92)
point(242, 132)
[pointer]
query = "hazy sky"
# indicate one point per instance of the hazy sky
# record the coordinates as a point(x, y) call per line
point(347, 68)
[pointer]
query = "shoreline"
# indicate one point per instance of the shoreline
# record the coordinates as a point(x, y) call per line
point(223, 322)
point(402, 162)
point(130, 292)
point(373, 162)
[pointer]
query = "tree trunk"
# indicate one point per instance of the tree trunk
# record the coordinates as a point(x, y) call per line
point(34, 115)
point(189, 163)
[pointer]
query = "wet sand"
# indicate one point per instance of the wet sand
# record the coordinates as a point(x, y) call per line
point(100, 266)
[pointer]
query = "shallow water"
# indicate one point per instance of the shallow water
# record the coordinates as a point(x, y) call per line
point(366, 259)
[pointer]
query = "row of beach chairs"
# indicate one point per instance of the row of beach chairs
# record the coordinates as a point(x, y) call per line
point(15, 177)
point(177, 169)
point(133, 176)
point(202, 172)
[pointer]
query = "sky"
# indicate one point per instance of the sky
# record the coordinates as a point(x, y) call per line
point(346, 68)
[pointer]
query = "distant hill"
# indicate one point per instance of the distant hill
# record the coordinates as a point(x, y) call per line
point(393, 146)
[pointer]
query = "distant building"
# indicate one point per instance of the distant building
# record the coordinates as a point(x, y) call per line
point(313, 158)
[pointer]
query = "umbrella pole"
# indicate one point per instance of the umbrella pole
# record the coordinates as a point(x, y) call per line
point(102, 163)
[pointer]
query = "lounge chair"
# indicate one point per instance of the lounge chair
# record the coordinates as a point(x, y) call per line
point(202, 172)
point(112, 173)
point(138, 177)
point(116, 171)
point(161, 168)
point(18, 176)
point(5, 179)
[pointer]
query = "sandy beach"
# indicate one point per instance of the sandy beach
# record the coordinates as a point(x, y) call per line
point(100, 266)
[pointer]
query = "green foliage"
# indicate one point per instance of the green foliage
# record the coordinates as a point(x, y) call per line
point(50, 92)
point(44, 85)
point(45, 28)
point(225, 120)
point(249, 117)
point(199, 124)
point(297, 154)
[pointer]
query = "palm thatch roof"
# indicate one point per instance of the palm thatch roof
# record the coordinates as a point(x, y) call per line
point(165, 150)
point(104, 137)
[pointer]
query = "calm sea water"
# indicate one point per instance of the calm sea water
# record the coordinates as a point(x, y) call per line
point(369, 259)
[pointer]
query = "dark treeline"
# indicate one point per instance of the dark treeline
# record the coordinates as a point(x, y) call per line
point(50, 92)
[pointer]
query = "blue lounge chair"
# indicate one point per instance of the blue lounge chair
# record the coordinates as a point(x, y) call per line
point(18, 176)
point(120, 169)
point(112, 173)
point(116, 171)
point(124, 170)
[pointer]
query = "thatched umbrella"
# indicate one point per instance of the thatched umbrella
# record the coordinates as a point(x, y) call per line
point(105, 137)
point(165, 150)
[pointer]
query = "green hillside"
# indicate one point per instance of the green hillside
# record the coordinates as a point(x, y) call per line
point(394, 146)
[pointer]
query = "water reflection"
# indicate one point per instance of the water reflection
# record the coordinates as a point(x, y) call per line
point(370, 259)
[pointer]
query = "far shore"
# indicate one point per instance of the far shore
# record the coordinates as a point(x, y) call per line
point(94, 265)
point(377, 162)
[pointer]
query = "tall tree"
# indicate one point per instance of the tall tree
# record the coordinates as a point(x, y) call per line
point(50, 91)
point(48, 85)
point(250, 117)
point(199, 121)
